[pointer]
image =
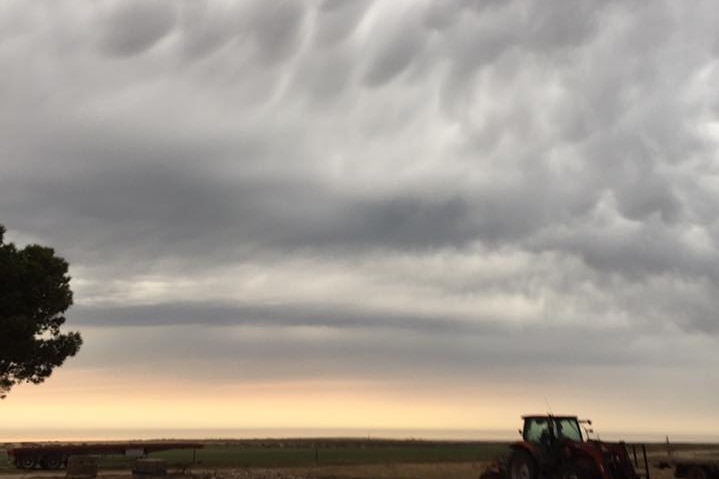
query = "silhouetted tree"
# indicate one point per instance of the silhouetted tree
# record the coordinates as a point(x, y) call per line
point(34, 294)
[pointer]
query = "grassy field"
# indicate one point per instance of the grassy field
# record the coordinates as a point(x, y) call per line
point(282, 454)
point(306, 453)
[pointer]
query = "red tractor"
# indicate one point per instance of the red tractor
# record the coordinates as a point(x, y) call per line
point(553, 447)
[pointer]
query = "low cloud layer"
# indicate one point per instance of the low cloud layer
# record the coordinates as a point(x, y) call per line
point(504, 183)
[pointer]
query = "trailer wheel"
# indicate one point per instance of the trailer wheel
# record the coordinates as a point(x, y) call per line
point(697, 472)
point(52, 462)
point(27, 462)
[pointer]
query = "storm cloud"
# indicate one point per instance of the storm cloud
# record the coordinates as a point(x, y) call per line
point(451, 185)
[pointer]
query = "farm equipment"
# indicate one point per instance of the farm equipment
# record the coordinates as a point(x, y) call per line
point(553, 447)
point(54, 456)
point(696, 469)
point(690, 468)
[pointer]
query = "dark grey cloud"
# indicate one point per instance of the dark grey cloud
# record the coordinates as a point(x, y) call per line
point(465, 342)
point(336, 20)
point(564, 25)
point(351, 344)
point(286, 315)
point(132, 27)
point(277, 28)
point(188, 210)
point(208, 26)
point(392, 55)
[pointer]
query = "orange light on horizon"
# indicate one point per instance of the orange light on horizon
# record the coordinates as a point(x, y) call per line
point(75, 399)
point(88, 400)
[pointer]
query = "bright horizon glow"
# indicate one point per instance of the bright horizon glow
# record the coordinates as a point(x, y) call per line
point(82, 405)
point(119, 434)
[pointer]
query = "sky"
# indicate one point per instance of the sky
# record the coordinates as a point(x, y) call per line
point(363, 214)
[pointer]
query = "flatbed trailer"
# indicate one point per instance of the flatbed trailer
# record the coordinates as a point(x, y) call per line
point(54, 456)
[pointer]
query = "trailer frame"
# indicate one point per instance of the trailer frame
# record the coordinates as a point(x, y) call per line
point(54, 456)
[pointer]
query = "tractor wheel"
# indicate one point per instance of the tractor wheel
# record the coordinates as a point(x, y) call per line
point(27, 462)
point(697, 472)
point(575, 471)
point(52, 462)
point(521, 465)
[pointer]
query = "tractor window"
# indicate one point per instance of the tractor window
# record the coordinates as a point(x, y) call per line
point(536, 430)
point(568, 429)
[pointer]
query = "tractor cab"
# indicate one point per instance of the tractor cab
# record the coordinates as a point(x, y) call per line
point(542, 429)
point(546, 434)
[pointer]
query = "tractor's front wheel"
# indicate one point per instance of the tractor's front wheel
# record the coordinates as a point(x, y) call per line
point(521, 465)
point(697, 472)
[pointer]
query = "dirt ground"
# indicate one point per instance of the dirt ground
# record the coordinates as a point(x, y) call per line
point(468, 470)
point(381, 471)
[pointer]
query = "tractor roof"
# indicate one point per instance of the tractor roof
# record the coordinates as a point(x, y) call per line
point(544, 416)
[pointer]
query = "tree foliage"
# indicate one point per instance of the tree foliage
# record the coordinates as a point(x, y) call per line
point(34, 294)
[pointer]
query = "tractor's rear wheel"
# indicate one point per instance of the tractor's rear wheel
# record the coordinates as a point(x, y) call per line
point(521, 465)
point(576, 471)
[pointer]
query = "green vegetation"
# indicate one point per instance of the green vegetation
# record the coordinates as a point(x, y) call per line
point(305, 455)
point(327, 453)
point(301, 453)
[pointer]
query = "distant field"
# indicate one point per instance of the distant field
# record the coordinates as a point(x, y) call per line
point(313, 453)
point(284, 454)
point(301, 453)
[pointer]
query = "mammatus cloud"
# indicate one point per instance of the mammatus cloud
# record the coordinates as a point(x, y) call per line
point(457, 185)
point(131, 28)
